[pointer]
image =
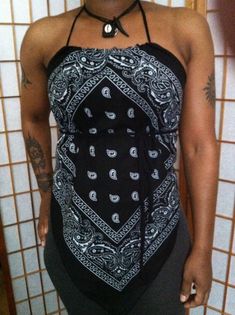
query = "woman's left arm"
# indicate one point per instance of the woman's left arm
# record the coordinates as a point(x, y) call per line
point(200, 154)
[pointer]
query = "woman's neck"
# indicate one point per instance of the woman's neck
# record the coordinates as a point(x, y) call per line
point(108, 8)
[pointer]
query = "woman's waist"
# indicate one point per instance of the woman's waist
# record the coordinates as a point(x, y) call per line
point(119, 130)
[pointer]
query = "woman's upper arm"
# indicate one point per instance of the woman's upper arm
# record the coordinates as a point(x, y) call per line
point(197, 125)
point(34, 98)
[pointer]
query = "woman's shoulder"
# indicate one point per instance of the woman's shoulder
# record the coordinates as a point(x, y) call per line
point(191, 28)
point(49, 26)
point(182, 29)
point(177, 16)
point(181, 20)
point(42, 33)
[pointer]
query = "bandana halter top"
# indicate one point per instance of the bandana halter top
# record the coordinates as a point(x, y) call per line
point(115, 199)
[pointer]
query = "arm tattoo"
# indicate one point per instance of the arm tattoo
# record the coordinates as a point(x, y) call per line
point(35, 153)
point(210, 89)
point(25, 81)
point(39, 163)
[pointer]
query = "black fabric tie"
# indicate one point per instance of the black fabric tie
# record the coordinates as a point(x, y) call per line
point(145, 169)
point(111, 26)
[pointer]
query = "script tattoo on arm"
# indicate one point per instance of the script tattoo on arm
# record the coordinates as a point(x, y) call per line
point(209, 89)
point(37, 157)
point(25, 81)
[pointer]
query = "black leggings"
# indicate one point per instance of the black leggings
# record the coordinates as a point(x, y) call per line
point(161, 297)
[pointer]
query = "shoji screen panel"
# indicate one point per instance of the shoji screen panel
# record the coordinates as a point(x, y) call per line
point(222, 300)
point(30, 289)
point(222, 297)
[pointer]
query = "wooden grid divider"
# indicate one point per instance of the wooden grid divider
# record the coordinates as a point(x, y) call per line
point(199, 6)
point(221, 127)
point(220, 141)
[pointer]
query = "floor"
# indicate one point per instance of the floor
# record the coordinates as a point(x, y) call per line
point(3, 299)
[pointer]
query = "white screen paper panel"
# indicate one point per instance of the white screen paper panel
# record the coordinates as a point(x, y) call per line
point(33, 290)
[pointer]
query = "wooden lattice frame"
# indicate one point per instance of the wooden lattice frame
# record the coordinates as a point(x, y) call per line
point(200, 6)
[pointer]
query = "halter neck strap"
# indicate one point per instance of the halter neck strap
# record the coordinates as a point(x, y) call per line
point(72, 27)
point(145, 21)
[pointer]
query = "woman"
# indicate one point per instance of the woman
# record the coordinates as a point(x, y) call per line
point(120, 242)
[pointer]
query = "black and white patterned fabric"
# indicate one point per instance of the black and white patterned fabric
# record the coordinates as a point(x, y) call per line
point(104, 101)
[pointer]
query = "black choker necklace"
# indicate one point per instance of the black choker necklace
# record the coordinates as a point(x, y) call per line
point(111, 26)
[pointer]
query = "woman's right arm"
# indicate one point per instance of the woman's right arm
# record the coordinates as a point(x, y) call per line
point(35, 112)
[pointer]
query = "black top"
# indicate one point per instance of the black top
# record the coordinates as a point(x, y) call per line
point(115, 199)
